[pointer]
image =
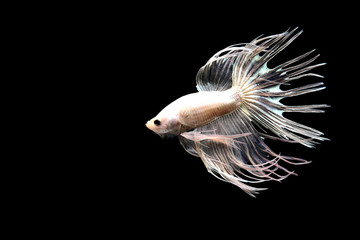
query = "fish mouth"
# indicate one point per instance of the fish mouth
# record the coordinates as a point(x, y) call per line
point(149, 125)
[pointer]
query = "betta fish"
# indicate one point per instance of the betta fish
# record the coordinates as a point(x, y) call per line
point(237, 107)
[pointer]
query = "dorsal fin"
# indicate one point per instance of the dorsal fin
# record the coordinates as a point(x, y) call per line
point(235, 64)
point(216, 74)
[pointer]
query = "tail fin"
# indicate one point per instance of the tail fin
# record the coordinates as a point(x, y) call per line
point(231, 148)
point(244, 66)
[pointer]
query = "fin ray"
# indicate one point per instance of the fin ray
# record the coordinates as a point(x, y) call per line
point(230, 146)
point(235, 153)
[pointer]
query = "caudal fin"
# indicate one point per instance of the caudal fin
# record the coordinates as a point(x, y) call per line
point(244, 66)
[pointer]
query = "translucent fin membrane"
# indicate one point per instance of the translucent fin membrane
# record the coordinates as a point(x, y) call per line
point(231, 148)
point(232, 151)
point(260, 88)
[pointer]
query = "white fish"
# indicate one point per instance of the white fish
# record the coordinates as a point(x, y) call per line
point(238, 106)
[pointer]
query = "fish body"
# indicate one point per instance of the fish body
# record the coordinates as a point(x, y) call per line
point(194, 110)
point(238, 107)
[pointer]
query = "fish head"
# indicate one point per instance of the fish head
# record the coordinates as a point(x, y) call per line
point(164, 126)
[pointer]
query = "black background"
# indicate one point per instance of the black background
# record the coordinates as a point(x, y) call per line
point(109, 174)
point(168, 184)
point(177, 185)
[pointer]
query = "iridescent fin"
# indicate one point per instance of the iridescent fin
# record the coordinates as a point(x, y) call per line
point(232, 151)
point(260, 88)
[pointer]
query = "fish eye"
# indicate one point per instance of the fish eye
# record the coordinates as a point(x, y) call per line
point(157, 122)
